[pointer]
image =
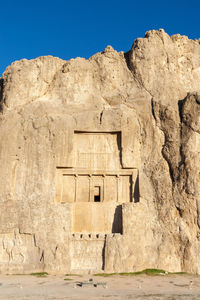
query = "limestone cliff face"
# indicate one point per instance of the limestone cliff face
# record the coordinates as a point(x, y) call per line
point(150, 99)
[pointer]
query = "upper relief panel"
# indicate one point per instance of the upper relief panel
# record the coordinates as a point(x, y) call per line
point(97, 150)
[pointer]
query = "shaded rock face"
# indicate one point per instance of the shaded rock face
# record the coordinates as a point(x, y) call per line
point(100, 160)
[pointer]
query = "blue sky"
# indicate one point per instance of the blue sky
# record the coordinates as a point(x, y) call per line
point(68, 29)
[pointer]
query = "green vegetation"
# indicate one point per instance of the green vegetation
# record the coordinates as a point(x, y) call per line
point(68, 279)
point(40, 274)
point(150, 272)
point(72, 275)
point(106, 274)
point(180, 273)
point(147, 272)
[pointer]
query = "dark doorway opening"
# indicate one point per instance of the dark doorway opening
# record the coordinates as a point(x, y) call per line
point(97, 194)
point(97, 199)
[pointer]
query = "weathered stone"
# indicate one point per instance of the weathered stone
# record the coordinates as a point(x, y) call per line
point(99, 160)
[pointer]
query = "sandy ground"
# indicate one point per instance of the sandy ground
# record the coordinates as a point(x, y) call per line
point(117, 287)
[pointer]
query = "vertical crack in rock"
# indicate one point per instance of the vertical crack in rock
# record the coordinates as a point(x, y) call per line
point(103, 254)
point(182, 156)
point(152, 109)
point(42, 256)
point(178, 127)
point(131, 68)
point(34, 240)
point(188, 179)
point(169, 121)
point(54, 252)
point(166, 120)
point(189, 115)
point(101, 117)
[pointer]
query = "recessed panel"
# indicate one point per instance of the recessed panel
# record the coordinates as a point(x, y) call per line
point(82, 189)
point(68, 188)
point(111, 189)
point(95, 217)
point(97, 150)
point(125, 189)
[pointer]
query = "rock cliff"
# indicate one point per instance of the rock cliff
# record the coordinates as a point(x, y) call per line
point(145, 105)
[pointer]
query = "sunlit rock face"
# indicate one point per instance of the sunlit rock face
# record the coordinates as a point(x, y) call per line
point(100, 160)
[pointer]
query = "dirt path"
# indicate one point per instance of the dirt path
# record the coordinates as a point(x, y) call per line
point(116, 287)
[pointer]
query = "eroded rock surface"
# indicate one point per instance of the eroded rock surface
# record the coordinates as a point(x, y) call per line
point(100, 160)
